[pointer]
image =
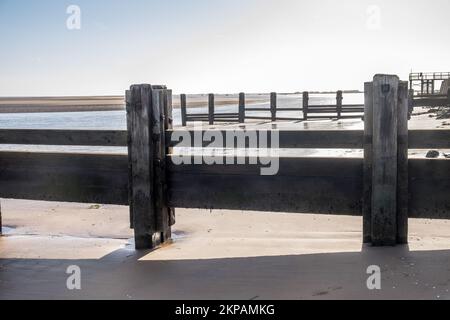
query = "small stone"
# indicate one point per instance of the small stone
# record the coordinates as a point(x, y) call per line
point(433, 154)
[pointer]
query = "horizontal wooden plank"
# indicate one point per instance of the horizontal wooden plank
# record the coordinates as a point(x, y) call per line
point(64, 137)
point(429, 139)
point(303, 185)
point(224, 115)
point(352, 116)
point(257, 109)
point(353, 111)
point(429, 188)
point(431, 102)
point(64, 177)
point(338, 139)
point(215, 120)
point(428, 96)
point(321, 111)
point(289, 109)
point(257, 118)
point(289, 118)
point(418, 139)
point(318, 106)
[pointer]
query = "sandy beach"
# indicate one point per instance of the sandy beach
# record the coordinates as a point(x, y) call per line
point(215, 255)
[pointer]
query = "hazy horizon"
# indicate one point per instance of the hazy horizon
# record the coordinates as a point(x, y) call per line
point(204, 46)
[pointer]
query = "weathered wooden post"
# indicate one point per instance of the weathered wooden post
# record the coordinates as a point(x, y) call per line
point(402, 163)
point(410, 103)
point(241, 107)
point(129, 108)
point(339, 99)
point(147, 120)
point(448, 97)
point(305, 105)
point(1, 226)
point(168, 125)
point(273, 106)
point(211, 108)
point(386, 161)
point(183, 105)
point(367, 170)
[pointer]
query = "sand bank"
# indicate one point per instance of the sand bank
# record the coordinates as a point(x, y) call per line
point(107, 103)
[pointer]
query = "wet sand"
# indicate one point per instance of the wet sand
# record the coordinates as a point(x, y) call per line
point(215, 255)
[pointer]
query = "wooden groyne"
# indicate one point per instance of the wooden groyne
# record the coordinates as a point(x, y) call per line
point(385, 187)
point(435, 100)
point(302, 113)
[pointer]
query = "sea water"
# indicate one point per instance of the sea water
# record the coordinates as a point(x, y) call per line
point(116, 120)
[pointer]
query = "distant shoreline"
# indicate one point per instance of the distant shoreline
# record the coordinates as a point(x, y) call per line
point(116, 103)
point(110, 103)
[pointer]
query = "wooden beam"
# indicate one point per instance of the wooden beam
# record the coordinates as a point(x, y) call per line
point(289, 139)
point(129, 108)
point(65, 177)
point(211, 108)
point(429, 139)
point(368, 163)
point(402, 163)
point(241, 107)
point(273, 106)
point(342, 139)
point(302, 185)
point(168, 116)
point(410, 103)
point(384, 169)
point(339, 99)
point(106, 138)
point(160, 120)
point(305, 105)
point(142, 163)
point(183, 105)
point(448, 97)
point(429, 188)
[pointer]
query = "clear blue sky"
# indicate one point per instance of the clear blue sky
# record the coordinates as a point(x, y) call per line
point(216, 46)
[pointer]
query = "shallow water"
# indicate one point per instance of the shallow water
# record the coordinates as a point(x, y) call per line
point(116, 120)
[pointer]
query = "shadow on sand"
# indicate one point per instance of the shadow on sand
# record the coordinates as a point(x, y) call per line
point(125, 274)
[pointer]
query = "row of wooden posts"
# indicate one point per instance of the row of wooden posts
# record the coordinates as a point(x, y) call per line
point(434, 100)
point(385, 187)
point(308, 111)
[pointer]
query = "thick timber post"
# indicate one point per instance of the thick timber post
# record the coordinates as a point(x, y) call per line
point(368, 159)
point(410, 103)
point(402, 163)
point(273, 106)
point(168, 125)
point(305, 105)
point(211, 108)
point(386, 162)
point(183, 110)
point(241, 107)
point(147, 108)
point(339, 99)
point(448, 97)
